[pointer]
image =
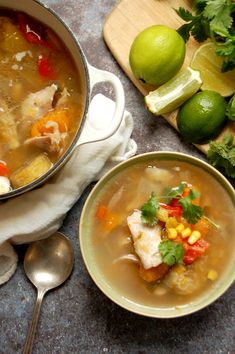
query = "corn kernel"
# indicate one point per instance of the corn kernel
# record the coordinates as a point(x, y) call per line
point(172, 233)
point(194, 237)
point(186, 232)
point(162, 214)
point(212, 275)
point(171, 222)
point(180, 228)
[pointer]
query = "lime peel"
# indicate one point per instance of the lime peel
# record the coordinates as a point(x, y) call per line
point(209, 64)
point(174, 92)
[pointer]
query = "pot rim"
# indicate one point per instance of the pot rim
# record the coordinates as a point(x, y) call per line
point(116, 295)
point(63, 159)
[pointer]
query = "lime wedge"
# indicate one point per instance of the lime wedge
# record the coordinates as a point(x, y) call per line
point(209, 64)
point(174, 92)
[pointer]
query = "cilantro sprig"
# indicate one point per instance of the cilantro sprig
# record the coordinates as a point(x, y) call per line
point(212, 19)
point(191, 212)
point(171, 193)
point(149, 211)
point(171, 252)
point(222, 154)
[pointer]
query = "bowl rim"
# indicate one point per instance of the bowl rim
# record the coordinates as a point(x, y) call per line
point(115, 295)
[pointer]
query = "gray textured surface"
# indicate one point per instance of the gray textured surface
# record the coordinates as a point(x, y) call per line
point(77, 317)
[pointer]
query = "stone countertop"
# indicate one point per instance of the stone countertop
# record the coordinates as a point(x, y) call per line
point(77, 317)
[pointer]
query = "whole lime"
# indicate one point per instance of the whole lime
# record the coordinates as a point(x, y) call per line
point(157, 54)
point(202, 117)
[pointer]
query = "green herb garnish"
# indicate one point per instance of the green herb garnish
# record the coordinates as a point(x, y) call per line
point(171, 252)
point(222, 154)
point(191, 212)
point(174, 192)
point(149, 211)
point(212, 19)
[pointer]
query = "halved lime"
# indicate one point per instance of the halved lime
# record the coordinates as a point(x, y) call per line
point(174, 92)
point(209, 63)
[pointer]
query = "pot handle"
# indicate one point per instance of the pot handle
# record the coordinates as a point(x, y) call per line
point(90, 133)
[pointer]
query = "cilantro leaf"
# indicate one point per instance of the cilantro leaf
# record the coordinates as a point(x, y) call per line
point(191, 212)
point(195, 25)
point(200, 5)
point(149, 211)
point(222, 154)
point(185, 14)
point(184, 31)
point(171, 252)
point(200, 30)
point(172, 193)
point(219, 12)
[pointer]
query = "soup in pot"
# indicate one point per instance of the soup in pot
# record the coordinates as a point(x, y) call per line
point(163, 233)
point(41, 99)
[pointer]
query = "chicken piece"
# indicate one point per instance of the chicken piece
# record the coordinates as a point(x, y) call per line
point(146, 240)
point(159, 175)
point(50, 142)
point(43, 142)
point(5, 185)
point(8, 129)
point(37, 104)
point(31, 171)
point(63, 100)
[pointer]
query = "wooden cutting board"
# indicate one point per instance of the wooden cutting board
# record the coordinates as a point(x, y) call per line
point(130, 17)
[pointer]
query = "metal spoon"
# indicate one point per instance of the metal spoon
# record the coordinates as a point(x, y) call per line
point(47, 263)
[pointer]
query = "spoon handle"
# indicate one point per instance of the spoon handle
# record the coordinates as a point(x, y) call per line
point(32, 329)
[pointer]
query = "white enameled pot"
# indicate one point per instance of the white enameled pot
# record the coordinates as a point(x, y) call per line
point(89, 77)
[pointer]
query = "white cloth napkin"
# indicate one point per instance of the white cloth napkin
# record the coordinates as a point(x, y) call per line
point(40, 212)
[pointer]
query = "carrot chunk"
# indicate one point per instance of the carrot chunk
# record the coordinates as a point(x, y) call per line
point(101, 212)
point(154, 273)
point(58, 115)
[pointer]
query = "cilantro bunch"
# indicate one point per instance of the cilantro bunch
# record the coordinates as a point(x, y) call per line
point(212, 19)
point(222, 154)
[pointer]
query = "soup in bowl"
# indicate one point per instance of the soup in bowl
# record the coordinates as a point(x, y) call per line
point(45, 90)
point(157, 234)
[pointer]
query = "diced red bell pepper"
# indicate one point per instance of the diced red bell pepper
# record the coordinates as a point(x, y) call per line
point(174, 202)
point(30, 33)
point(4, 170)
point(46, 68)
point(192, 252)
point(172, 210)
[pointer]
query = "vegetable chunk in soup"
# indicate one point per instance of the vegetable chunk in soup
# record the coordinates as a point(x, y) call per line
point(41, 99)
point(162, 233)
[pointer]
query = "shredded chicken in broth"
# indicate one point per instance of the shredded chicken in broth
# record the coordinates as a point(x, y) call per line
point(41, 99)
point(163, 233)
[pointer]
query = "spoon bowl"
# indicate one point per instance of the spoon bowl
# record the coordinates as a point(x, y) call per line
point(47, 263)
